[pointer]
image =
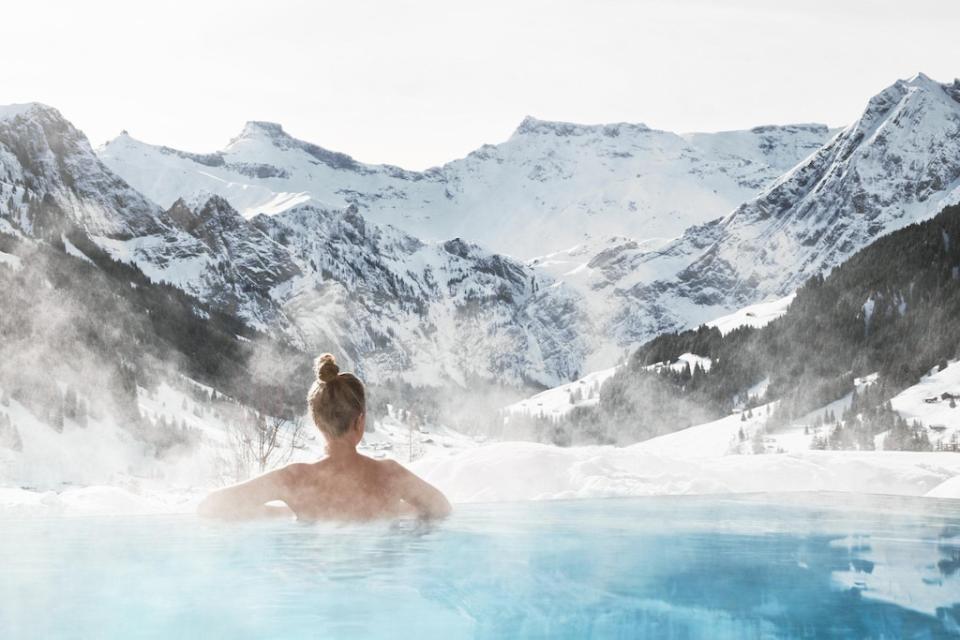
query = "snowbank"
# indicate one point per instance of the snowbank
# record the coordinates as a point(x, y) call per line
point(518, 471)
point(526, 471)
point(93, 500)
point(946, 489)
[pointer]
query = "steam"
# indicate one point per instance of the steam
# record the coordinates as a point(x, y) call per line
point(91, 392)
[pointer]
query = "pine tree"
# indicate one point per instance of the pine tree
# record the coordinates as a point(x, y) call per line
point(82, 420)
point(56, 416)
point(17, 443)
point(757, 442)
point(70, 403)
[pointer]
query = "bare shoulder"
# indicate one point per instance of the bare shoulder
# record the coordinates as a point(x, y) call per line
point(392, 467)
point(293, 472)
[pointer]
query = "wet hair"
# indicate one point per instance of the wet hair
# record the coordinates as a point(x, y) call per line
point(335, 399)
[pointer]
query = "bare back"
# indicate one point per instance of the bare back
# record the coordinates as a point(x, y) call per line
point(343, 488)
point(359, 488)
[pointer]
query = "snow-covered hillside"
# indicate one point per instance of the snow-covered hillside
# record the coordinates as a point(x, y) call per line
point(559, 400)
point(933, 402)
point(542, 190)
point(754, 315)
point(585, 391)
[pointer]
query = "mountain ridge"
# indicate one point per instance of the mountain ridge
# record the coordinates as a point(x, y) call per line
point(536, 190)
point(391, 299)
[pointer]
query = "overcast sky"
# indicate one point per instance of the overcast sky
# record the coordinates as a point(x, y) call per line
point(419, 83)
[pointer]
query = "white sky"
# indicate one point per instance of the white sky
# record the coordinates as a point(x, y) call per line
point(420, 83)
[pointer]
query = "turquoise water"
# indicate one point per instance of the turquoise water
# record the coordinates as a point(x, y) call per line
point(796, 566)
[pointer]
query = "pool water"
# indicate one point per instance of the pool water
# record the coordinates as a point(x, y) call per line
point(771, 566)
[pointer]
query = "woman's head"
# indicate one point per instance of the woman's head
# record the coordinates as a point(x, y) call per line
point(337, 400)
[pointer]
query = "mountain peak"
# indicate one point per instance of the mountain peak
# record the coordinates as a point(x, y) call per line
point(204, 199)
point(262, 129)
point(204, 211)
point(271, 133)
point(921, 78)
point(535, 126)
point(25, 109)
point(918, 82)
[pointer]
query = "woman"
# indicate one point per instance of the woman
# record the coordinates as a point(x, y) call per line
point(343, 486)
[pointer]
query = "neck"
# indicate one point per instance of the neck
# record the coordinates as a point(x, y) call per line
point(340, 448)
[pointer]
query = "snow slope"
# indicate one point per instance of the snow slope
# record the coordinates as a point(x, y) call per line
point(558, 401)
point(924, 402)
point(754, 315)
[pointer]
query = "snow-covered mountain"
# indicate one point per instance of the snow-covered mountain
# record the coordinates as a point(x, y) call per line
point(898, 163)
point(53, 184)
point(542, 190)
point(247, 229)
point(49, 173)
point(327, 279)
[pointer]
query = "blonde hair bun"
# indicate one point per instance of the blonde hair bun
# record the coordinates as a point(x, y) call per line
point(336, 400)
point(326, 367)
